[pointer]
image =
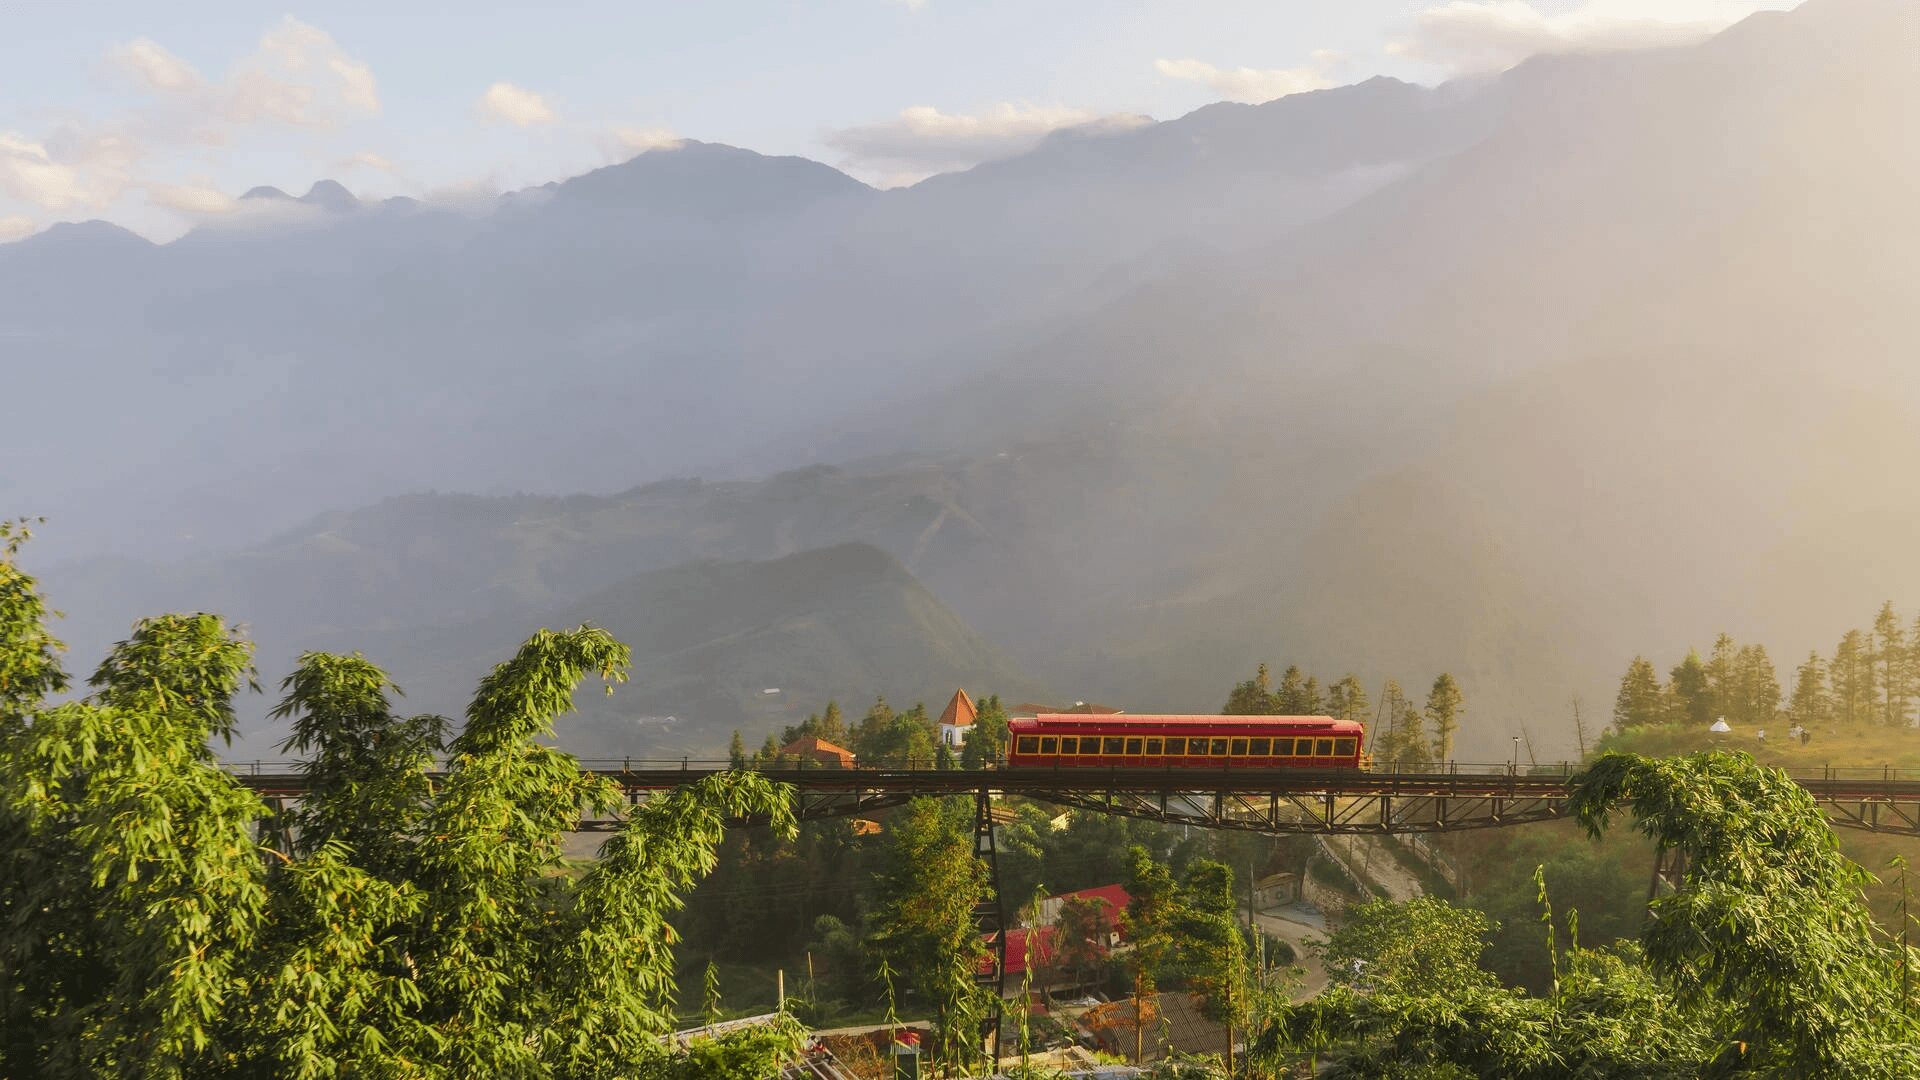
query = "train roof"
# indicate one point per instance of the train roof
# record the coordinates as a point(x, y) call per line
point(1126, 720)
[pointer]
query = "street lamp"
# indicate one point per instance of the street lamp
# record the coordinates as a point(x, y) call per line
point(1515, 764)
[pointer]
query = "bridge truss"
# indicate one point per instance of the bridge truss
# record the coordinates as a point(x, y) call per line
point(1421, 798)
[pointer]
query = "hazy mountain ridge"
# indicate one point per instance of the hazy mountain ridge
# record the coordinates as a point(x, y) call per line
point(710, 638)
point(1600, 377)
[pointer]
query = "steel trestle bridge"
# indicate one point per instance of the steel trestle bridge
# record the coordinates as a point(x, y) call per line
point(1407, 797)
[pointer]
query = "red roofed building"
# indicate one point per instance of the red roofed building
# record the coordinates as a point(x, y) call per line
point(956, 720)
point(1112, 900)
point(815, 749)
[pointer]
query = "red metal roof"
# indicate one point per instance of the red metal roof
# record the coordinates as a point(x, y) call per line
point(1070, 723)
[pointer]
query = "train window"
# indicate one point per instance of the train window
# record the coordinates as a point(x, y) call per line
point(1218, 748)
point(1283, 747)
point(1048, 744)
point(1259, 747)
point(1027, 744)
point(1069, 744)
point(1176, 747)
point(1323, 748)
point(1115, 747)
point(1197, 747)
point(1239, 748)
point(1089, 744)
point(1343, 747)
point(1153, 747)
point(1133, 747)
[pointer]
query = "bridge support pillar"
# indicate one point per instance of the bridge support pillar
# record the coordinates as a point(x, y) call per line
point(990, 919)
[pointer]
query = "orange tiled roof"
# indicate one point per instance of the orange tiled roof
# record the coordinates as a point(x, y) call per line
point(812, 746)
point(960, 711)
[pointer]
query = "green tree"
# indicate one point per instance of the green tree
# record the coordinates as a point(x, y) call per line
point(1692, 693)
point(1444, 706)
point(987, 743)
point(146, 932)
point(923, 918)
point(1347, 700)
point(1852, 675)
point(1810, 703)
point(736, 751)
point(1423, 946)
point(1890, 661)
point(132, 886)
point(1255, 696)
point(1152, 908)
point(833, 725)
point(1723, 674)
point(1640, 702)
point(365, 767)
point(1769, 915)
point(1292, 699)
point(1080, 934)
point(1756, 687)
point(1213, 954)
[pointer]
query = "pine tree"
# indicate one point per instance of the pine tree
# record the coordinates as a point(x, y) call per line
point(833, 726)
point(1890, 664)
point(1756, 686)
point(1393, 740)
point(736, 751)
point(1347, 700)
point(1640, 702)
point(1292, 696)
point(1444, 706)
point(1852, 677)
point(1311, 701)
point(1723, 678)
point(1253, 697)
point(1810, 703)
point(1412, 726)
point(1692, 694)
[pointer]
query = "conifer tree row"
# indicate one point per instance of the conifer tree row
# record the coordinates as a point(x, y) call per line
point(1398, 729)
point(1872, 677)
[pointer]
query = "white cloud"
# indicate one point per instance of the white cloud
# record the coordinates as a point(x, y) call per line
point(515, 105)
point(1492, 35)
point(298, 76)
point(69, 171)
point(1254, 85)
point(16, 227)
point(195, 199)
point(152, 65)
point(366, 159)
point(922, 140)
point(641, 140)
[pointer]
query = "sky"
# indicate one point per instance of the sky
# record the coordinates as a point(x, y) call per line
point(156, 116)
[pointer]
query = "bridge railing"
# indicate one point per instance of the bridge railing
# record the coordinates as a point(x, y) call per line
point(1564, 770)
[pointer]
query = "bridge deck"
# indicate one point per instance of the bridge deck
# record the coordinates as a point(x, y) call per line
point(1418, 797)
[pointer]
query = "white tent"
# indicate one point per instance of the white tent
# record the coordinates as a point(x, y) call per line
point(1720, 726)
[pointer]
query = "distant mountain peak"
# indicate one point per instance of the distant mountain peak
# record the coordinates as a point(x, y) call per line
point(267, 191)
point(93, 233)
point(330, 195)
point(705, 179)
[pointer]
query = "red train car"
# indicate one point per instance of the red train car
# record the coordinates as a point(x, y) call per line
point(1057, 740)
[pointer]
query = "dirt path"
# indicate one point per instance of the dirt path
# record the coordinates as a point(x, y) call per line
point(1302, 928)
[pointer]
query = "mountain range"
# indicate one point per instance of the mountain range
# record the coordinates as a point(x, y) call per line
point(1512, 377)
